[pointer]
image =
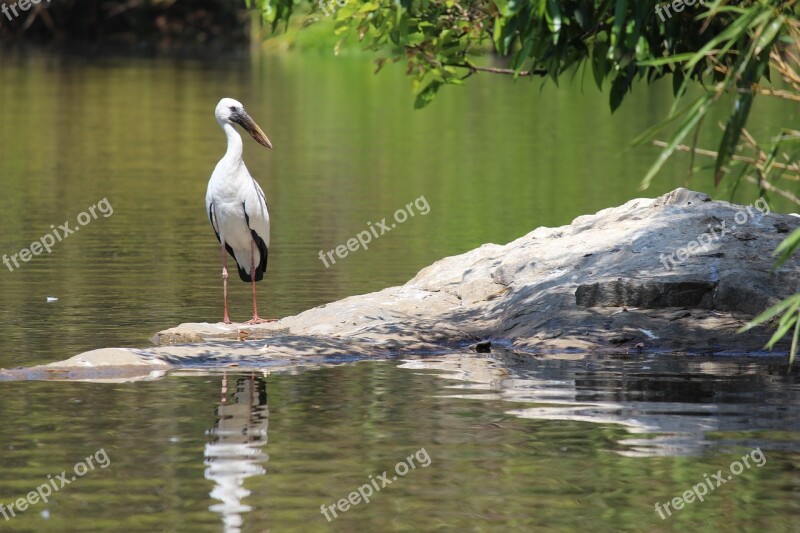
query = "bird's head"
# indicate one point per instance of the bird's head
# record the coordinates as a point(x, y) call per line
point(230, 111)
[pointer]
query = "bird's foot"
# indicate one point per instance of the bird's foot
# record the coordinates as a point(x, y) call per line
point(259, 320)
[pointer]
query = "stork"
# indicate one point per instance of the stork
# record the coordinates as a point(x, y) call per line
point(236, 206)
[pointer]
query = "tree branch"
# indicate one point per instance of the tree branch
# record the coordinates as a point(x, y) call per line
point(496, 70)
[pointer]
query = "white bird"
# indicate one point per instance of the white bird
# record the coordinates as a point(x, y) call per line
point(236, 206)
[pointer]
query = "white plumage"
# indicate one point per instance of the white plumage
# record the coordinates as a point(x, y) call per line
point(236, 206)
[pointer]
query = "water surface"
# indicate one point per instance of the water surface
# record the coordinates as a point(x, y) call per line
point(545, 444)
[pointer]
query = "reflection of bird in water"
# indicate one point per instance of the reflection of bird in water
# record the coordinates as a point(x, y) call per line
point(235, 453)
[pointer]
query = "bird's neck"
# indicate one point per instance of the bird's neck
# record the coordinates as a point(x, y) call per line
point(234, 152)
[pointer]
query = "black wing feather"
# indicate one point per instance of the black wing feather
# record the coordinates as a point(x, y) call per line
point(263, 252)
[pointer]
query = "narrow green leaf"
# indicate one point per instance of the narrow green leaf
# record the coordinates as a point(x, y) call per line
point(769, 34)
point(620, 11)
point(793, 350)
point(782, 330)
point(770, 313)
point(554, 18)
point(786, 248)
point(733, 130)
point(694, 114)
point(670, 60)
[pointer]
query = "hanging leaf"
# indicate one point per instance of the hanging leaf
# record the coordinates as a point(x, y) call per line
point(427, 94)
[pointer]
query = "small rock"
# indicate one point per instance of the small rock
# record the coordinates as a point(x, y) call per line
point(483, 347)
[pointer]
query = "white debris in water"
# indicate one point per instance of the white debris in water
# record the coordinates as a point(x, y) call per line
point(51, 299)
point(648, 333)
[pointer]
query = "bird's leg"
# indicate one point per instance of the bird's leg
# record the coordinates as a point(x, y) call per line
point(225, 318)
point(256, 319)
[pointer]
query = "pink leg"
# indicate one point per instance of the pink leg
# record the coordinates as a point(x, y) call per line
point(256, 319)
point(226, 319)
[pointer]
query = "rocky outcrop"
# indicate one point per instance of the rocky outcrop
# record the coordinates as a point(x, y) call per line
point(676, 274)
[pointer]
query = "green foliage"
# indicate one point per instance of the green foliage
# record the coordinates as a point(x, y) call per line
point(620, 41)
point(722, 46)
point(733, 61)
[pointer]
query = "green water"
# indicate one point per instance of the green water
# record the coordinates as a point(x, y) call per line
point(493, 161)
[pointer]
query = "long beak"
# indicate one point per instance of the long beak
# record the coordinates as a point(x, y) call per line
point(252, 128)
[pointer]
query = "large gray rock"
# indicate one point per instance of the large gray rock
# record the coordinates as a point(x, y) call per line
point(680, 273)
point(677, 274)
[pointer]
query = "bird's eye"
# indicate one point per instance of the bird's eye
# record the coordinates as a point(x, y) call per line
point(233, 109)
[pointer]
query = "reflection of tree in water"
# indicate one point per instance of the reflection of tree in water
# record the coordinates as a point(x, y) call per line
point(234, 452)
point(167, 26)
point(669, 405)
